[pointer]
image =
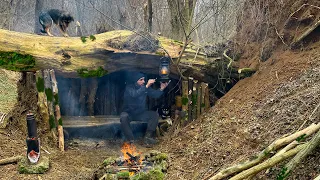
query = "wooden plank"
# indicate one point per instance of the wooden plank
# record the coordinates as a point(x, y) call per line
point(198, 99)
point(185, 100)
point(207, 98)
point(194, 99)
point(203, 92)
point(190, 103)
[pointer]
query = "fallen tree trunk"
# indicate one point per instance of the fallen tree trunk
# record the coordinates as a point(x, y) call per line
point(10, 160)
point(265, 153)
point(68, 55)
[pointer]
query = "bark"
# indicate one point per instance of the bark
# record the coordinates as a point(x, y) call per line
point(181, 13)
point(92, 96)
point(265, 153)
point(268, 163)
point(53, 52)
point(42, 101)
point(311, 146)
point(10, 160)
point(150, 16)
point(38, 8)
point(57, 110)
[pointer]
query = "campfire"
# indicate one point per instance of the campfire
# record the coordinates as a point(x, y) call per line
point(133, 163)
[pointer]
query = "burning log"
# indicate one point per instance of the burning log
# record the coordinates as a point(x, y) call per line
point(133, 159)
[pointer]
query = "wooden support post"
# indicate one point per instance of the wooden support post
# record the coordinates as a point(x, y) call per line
point(92, 96)
point(49, 94)
point(207, 98)
point(198, 99)
point(185, 100)
point(42, 99)
point(190, 103)
point(203, 92)
point(57, 109)
point(194, 99)
point(30, 80)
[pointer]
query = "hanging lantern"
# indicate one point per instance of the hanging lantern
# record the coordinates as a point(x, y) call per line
point(164, 69)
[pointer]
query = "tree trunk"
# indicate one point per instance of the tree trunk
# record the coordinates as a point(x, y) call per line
point(38, 9)
point(181, 13)
point(53, 52)
point(150, 16)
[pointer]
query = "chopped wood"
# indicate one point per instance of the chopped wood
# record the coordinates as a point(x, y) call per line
point(10, 160)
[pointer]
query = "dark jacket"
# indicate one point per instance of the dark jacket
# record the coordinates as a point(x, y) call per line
point(135, 98)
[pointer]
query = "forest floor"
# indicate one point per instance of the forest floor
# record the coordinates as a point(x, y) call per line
point(275, 101)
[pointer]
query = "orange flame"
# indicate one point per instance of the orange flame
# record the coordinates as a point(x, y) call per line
point(130, 148)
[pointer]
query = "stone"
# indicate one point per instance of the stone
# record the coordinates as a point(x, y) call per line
point(25, 167)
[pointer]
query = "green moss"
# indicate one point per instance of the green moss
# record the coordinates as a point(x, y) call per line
point(60, 122)
point(83, 39)
point(52, 122)
point(159, 157)
point(301, 138)
point(16, 61)
point(40, 84)
point(109, 161)
point(56, 99)
point(92, 38)
point(123, 175)
point(49, 94)
point(184, 100)
point(24, 167)
point(154, 174)
point(85, 73)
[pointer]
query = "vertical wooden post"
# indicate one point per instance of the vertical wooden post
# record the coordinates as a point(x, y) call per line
point(207, 98)
point(42, 99)
point(190, 103)
point(92, 96)
point(194, 99)
point(49, 94)
point(203, 91)
point(199, 99)
point(82, 98)
point(185, 100)
point(57, 109)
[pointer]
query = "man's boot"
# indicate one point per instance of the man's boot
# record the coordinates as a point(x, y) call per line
point(149, 140)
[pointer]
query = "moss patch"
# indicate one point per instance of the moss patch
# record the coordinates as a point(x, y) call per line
point(49, 94)
point(16, 61)
point(52, 122)
point(41, 167)
point(85, 73)
point(40, 84)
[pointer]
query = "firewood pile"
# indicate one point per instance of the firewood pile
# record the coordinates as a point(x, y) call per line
point(133, 165)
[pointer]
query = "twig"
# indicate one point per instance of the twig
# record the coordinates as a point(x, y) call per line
point(10, 160)
point(45, 150)
point(281, 37)
point(315, 109)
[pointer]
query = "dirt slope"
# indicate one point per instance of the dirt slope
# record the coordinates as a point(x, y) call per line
point(257, 110)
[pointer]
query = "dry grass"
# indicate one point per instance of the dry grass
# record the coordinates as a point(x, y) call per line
point(8, 90)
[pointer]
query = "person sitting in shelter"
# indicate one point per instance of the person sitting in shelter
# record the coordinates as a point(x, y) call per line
point(135, 109)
